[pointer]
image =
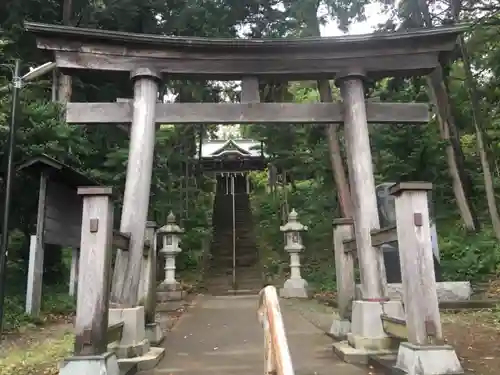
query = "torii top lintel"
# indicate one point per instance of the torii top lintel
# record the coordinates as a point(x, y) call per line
point(378, 55)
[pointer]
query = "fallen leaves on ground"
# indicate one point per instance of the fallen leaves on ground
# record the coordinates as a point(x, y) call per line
point(37, 357)
point(476, 339)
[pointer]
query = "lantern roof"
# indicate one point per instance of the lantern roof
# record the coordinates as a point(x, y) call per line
point(171, 226)
point(293, 224)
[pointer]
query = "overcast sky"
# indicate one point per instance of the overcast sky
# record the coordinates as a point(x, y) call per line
point(374, 16)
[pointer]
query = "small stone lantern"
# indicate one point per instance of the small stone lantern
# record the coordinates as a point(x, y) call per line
point(295, 286)
point(169, 237)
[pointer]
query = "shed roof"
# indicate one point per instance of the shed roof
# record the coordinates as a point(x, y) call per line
point(57, 170)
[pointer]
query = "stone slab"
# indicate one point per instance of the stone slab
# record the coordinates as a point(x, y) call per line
point(447, 291)
point(146, 362)
point(170, 295)
point(352, 355)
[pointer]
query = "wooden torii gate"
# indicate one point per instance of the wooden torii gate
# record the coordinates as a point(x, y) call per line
point(148, 58)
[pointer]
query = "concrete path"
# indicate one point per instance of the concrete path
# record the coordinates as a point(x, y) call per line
point(221, 335)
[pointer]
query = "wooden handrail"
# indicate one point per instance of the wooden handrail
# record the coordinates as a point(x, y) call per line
point(277, 354)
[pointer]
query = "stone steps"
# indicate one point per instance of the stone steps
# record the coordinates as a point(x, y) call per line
point(219, 278)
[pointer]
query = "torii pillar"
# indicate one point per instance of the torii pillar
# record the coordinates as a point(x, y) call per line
point(128, 265)
point(367, 331)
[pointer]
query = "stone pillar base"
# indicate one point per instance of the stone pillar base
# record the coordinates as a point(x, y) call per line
point(154, 333)
point(169, 292)
point(367, 336)
point(367, 331)
point(133, 342)
point(340, 328)
point(295, 288)
point(105, 364)
point(428, 360)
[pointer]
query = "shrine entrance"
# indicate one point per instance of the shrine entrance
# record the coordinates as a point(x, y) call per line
point(349, 60)
point(149, 59)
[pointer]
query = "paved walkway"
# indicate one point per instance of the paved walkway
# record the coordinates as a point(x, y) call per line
point(221, 335)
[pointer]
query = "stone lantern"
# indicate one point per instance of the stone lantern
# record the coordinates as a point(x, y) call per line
point(169, 238)
point(295, 286)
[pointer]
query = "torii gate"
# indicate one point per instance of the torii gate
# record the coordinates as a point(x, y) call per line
point(348, 59)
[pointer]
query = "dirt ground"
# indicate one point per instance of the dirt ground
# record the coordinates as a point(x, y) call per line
point(476, 338)
point(475, 335)
point(38, 350)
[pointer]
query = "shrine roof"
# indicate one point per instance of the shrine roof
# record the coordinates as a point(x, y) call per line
point(414, 52)
point(109, 36)
point(242, 147)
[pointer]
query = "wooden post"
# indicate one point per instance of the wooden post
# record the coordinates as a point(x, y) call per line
point(128, 266)
point(35, 268)
point(73, 276)
point(150, 277)
point(344, 266)
point(94, 269)
point(417, 264)
point(250, 90)
point(359, 158)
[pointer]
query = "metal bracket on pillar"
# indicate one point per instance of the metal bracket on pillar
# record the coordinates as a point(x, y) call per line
point(145, 73)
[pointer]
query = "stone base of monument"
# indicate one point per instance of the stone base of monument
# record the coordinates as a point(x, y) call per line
point(154, 333)
point(367, 336)
point(105, 364)
point(169, 292)
point(134, 347)
point(295, 288)
point(446, 290)
point(428, 360)
point(352, 355)
point(339, 328)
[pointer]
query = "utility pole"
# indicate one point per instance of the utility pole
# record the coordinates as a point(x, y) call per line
point(16, 86)
point(17, 82)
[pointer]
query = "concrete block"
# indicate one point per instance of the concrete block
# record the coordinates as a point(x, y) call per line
point(133, 342)
point(446, 290)
point(295, 288)
point(169, 295)
point(367, 331)
point(340, 328)
point(428, 360)
point(130, 350)
point(105, 364)
point(146, 362)
point(356, 356)
point(154, 333)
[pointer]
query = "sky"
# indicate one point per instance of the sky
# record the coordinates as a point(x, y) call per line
point(374, 16)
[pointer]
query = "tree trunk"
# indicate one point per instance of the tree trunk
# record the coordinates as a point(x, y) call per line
point(331, 130)
point(478, 119)
point(338, 169)
point(439, 96)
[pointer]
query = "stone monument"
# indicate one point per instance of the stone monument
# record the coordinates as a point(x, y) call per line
point(387, 215)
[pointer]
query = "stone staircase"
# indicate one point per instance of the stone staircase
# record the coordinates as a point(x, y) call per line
point(219, 275)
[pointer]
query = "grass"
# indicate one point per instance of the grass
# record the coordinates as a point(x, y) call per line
point(39, 356)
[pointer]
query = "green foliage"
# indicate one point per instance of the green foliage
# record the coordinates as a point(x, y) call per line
point(315, 207)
